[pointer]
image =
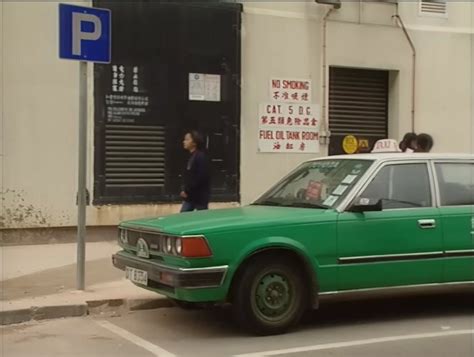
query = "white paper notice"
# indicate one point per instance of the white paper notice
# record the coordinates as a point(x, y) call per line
point(205, 87)
point(330, 200)
point(340, 190)
point(212, 87)
point(196, 86)
point(349, 179)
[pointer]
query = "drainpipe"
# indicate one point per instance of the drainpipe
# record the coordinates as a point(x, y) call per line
point(327, 134)
point(402, 25)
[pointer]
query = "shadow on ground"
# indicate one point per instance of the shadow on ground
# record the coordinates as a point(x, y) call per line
point(57, 280)
point(218, 321)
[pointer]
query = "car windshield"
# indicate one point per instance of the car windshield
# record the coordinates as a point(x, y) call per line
point(317, 184)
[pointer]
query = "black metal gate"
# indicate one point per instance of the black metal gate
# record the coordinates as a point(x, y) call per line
point(358, 106)
point(142, 102)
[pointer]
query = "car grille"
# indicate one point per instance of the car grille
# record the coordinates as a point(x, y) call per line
point(155, 241)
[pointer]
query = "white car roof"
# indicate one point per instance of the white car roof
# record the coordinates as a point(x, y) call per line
point(400, 156)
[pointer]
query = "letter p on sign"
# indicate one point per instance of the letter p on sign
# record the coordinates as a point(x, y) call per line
point(84, 33)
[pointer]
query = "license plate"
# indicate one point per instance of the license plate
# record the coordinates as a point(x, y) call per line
point(136, 275)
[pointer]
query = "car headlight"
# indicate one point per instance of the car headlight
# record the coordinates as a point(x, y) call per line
point(178, 246)
point(169, 245)
point(124, 236)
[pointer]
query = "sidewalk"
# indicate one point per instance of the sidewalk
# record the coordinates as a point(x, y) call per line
point(38, 282)
point(35, 270)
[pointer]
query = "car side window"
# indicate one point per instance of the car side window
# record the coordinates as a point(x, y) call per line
point(400, 186)
point(456, 183)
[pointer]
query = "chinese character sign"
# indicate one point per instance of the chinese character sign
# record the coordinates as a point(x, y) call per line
point(126, 108)
point(127, 79)
point(290, 90)
point(127, 99)
point(287, 127)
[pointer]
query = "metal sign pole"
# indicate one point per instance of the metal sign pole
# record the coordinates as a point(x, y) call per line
point(82, 189)
point(85, 46)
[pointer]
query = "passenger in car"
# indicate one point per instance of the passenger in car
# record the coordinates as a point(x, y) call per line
point(408, 143)
point(424, 143)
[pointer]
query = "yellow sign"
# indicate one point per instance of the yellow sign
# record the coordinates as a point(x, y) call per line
point(350, 144)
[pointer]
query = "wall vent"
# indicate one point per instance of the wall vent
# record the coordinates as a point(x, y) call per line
point(434, 7)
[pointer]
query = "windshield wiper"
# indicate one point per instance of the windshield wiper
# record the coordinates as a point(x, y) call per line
point(267, 203)
point(306, 205)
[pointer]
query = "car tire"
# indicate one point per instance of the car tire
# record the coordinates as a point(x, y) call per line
point(270, 295)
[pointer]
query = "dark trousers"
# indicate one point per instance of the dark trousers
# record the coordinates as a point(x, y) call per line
point(190, 206)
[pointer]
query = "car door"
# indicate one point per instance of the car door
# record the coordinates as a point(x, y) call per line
point(456, 193)
point(400, 245)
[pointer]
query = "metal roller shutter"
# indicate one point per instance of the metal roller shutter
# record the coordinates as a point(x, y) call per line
point(134, 156)
point(358, 106)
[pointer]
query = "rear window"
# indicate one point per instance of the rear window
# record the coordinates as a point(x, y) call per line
point(456, 183)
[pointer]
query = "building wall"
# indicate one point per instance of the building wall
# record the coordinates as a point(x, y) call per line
point(40, 98)
point(1, 112)
point(40, 118)
point(363, 36)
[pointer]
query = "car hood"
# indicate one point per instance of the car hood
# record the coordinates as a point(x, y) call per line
point(203, 222)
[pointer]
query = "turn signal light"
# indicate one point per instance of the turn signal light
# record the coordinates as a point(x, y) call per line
point(195, 247)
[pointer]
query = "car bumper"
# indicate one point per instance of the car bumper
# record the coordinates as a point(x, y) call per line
point(168, 279)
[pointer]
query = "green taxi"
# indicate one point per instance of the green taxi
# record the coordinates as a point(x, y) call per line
point(335, 225)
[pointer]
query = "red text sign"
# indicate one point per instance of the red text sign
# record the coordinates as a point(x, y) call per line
point(288, 128)
point(289, 90)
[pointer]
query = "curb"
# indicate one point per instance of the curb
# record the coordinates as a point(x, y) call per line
point(93, 307)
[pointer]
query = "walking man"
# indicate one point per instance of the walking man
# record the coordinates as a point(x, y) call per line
point(197, 181)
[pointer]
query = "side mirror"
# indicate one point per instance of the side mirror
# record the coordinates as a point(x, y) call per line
point(362, 205)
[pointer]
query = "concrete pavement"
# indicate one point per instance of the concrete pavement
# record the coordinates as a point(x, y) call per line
point(38, 270)
point(23, 260)
point(39, 283)
point(436, 325)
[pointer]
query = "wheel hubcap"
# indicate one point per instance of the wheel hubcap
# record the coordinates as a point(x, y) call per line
point(273, 295)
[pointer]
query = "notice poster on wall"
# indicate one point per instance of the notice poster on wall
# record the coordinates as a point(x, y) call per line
point(127, 99)
point(289, 128)
point(288, 90)
point(204, 87)
point(126, 109)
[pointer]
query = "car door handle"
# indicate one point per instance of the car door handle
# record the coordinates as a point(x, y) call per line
point(427, 223)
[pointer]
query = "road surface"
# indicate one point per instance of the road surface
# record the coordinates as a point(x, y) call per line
point(435, 325)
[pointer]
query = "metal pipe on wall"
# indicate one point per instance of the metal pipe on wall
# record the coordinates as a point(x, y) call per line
point(324, 79)
point(407, 35)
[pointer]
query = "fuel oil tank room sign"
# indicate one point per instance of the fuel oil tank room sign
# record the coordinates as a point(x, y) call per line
point(285, 127)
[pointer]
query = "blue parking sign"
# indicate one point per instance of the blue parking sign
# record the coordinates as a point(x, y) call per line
point(85, 33)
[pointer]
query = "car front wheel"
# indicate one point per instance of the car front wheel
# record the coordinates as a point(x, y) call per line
point(270, 295)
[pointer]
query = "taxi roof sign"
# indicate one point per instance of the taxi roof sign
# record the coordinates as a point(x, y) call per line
point(386, 145)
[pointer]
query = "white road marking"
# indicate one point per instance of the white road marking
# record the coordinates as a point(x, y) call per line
point(156, 350)
point(328, 346)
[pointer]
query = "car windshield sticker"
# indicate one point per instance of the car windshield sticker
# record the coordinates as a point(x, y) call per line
point(340, 190)
point(349, 179)
point(313, 192)
point(330, 200)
